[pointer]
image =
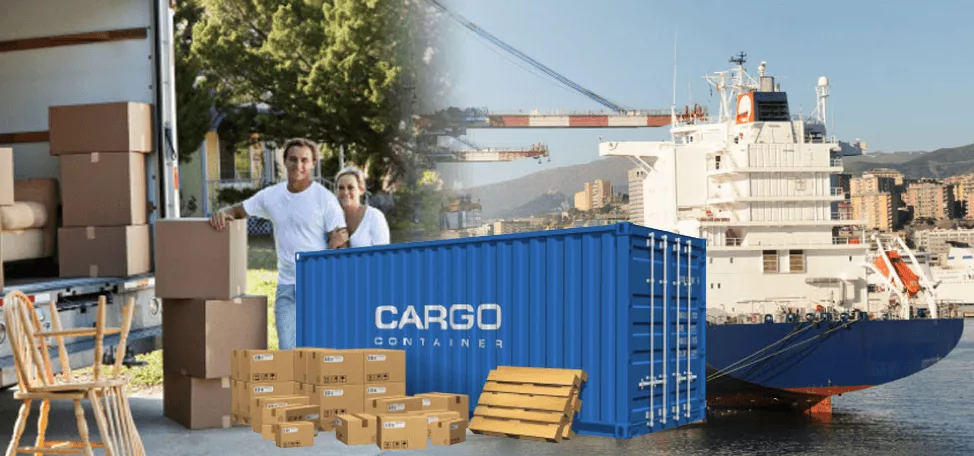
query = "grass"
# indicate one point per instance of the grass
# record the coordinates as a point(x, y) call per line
point(261, 281)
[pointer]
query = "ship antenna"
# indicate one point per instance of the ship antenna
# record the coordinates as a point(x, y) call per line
point(673, 106)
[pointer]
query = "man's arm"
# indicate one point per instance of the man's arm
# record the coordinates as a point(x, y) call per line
point(219, 218)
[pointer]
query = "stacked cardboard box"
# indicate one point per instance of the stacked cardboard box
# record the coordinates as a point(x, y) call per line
point(102, 152)
point(358, 394)
point(529, 403)
point(201, 276)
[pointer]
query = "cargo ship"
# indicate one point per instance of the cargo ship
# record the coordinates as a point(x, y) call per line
point(802, 305)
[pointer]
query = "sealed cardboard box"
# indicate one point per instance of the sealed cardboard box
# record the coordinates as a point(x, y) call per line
point(295, 434)
point(434, 417)
point(335, 400)
point(197, 403)
point(251, 391)
point(380, 390)
point(301, 357)
point(449, 432)
point(100, 127)
point(394, 404)
point(459, 403)
point(103, 189)
point(265, 365)
point(262, 414)
point(6, 176)
point(335, 367)
point(288, 414)
point(195, 261)
point(384, 366)
point(405, 431)
point(114, 251)
point(199, 336)
point(356, 429)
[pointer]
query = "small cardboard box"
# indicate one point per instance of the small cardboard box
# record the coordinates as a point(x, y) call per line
point(195, 261)
point(251, 391)
point(115, 251)
point(103, 189)
point(265, 365)
point(384, 366)
point(295, 434)
point(356, 429)
point(380, 390)
point(335, 367)
point(450, 432)
point(100, 127)
point(436, 416)
point(335, 400)
point(394, 404)
point(403, 431)
point(199, 336)
point(197, 403)
point(301, 357)
point(262, 414)
point(288, 414)
point(459, 403)
point(6, 176)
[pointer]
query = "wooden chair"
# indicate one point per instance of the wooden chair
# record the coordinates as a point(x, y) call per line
point(37, 382)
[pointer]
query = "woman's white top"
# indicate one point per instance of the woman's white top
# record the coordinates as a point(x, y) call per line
point(372, 230)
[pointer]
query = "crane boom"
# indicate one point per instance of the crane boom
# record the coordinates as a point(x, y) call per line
point(550, 72)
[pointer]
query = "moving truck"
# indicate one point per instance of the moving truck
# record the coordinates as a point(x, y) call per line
point(116, 54)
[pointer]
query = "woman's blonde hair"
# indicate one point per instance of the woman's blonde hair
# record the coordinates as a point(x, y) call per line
point(353, 170)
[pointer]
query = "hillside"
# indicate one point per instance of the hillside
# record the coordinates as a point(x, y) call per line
point(940, 163)
point(504, 198)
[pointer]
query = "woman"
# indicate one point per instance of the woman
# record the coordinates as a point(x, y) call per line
point(366, 225)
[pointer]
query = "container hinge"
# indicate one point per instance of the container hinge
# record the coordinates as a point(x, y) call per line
point(684, 377)
point(647, 382)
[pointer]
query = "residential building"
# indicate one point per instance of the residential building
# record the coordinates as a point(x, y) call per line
point(636, 176)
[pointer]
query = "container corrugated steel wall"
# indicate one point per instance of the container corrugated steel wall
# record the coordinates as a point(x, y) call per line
point(576, 298)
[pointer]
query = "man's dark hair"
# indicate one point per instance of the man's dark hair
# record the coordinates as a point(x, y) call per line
point(301, 142)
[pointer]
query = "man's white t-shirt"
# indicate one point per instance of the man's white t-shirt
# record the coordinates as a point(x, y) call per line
point(301, 221)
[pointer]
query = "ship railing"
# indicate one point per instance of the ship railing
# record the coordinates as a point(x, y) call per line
point(739, 242)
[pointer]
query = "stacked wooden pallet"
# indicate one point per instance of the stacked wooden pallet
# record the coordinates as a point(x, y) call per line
point(529, 403)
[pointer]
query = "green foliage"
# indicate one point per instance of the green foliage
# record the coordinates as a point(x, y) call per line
point(228, 196)
point(418, 207)
point(194, 96)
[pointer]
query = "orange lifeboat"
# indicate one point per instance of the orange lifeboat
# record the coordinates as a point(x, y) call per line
point(904, 272)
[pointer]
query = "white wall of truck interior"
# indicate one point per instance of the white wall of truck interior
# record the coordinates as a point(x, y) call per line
point(33, 80)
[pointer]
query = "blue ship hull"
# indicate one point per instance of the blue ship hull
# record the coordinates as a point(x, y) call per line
point(799, 365)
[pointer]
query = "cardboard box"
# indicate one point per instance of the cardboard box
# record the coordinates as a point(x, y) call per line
point(335, 400)
point(434, 417)
point(249, 392)
point(459, 403)
point(287, 414)
point(380, 390)
point(195, 261)
point(262, 414)
point(101, 127)
point(265, 365)
point(295, 434)
point(406, 431)
point(103, 189)
point(199, 336)
point(394, 404)
point(197, 403)
point(356, 429)
point(449, 432)
point(6, 176)
point(115, 251)
point(301, 357)
point(384, 366)
point(335, 367)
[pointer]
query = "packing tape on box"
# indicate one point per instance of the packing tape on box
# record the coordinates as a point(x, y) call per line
point(95, 157)
point(90, 231)
point(93, 270)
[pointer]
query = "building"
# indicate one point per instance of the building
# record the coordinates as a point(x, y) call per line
point(513, 226)
point(636, 176)
point(935, 242)
point(597, 194)
point(930, 200)
point(876, 209)
point(583, 200)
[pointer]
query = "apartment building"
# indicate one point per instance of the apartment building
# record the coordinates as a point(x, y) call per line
point(935, 241)
point(597, 194)
point(636, 176)
point(877, 209)
point(931, 199)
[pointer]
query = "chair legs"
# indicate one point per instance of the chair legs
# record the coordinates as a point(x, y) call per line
point(19, 428)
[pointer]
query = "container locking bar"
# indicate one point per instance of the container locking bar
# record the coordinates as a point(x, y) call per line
point(652, 380)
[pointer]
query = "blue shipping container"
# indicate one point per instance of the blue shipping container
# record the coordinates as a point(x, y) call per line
point(575, 299)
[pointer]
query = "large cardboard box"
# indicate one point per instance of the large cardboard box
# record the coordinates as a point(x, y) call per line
point(196, 261)
point(295, 434)
point(199, 336)
point(264, 365)
point(402, 431)
point(197, 403)
point(356, 429)
point(101, 127)
point(113, 251)
point(384, 366)
point(335, 367)
point(6, 176)
point(103, 189)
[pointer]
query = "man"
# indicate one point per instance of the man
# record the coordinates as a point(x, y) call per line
point(303, 213)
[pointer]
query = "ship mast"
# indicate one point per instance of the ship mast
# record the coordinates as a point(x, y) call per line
point(731, 83)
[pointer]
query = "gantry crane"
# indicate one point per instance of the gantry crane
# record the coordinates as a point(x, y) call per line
point(488, 154)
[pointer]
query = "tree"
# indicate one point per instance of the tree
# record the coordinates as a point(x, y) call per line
point(338, 72)
point(194, 96)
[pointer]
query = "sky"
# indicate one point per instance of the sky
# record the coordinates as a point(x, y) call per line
point(900, 72)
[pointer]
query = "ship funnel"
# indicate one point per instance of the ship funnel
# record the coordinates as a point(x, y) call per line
point(767, 83)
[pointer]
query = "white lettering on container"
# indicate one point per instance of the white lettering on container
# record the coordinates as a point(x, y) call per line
point(462, 317)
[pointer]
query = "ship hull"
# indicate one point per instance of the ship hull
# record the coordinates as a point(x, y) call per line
point(807, 363)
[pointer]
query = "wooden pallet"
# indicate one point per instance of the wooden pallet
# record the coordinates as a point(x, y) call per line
point(529, 403)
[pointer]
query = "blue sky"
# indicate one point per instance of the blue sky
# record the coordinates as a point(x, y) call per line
point(901, 73)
